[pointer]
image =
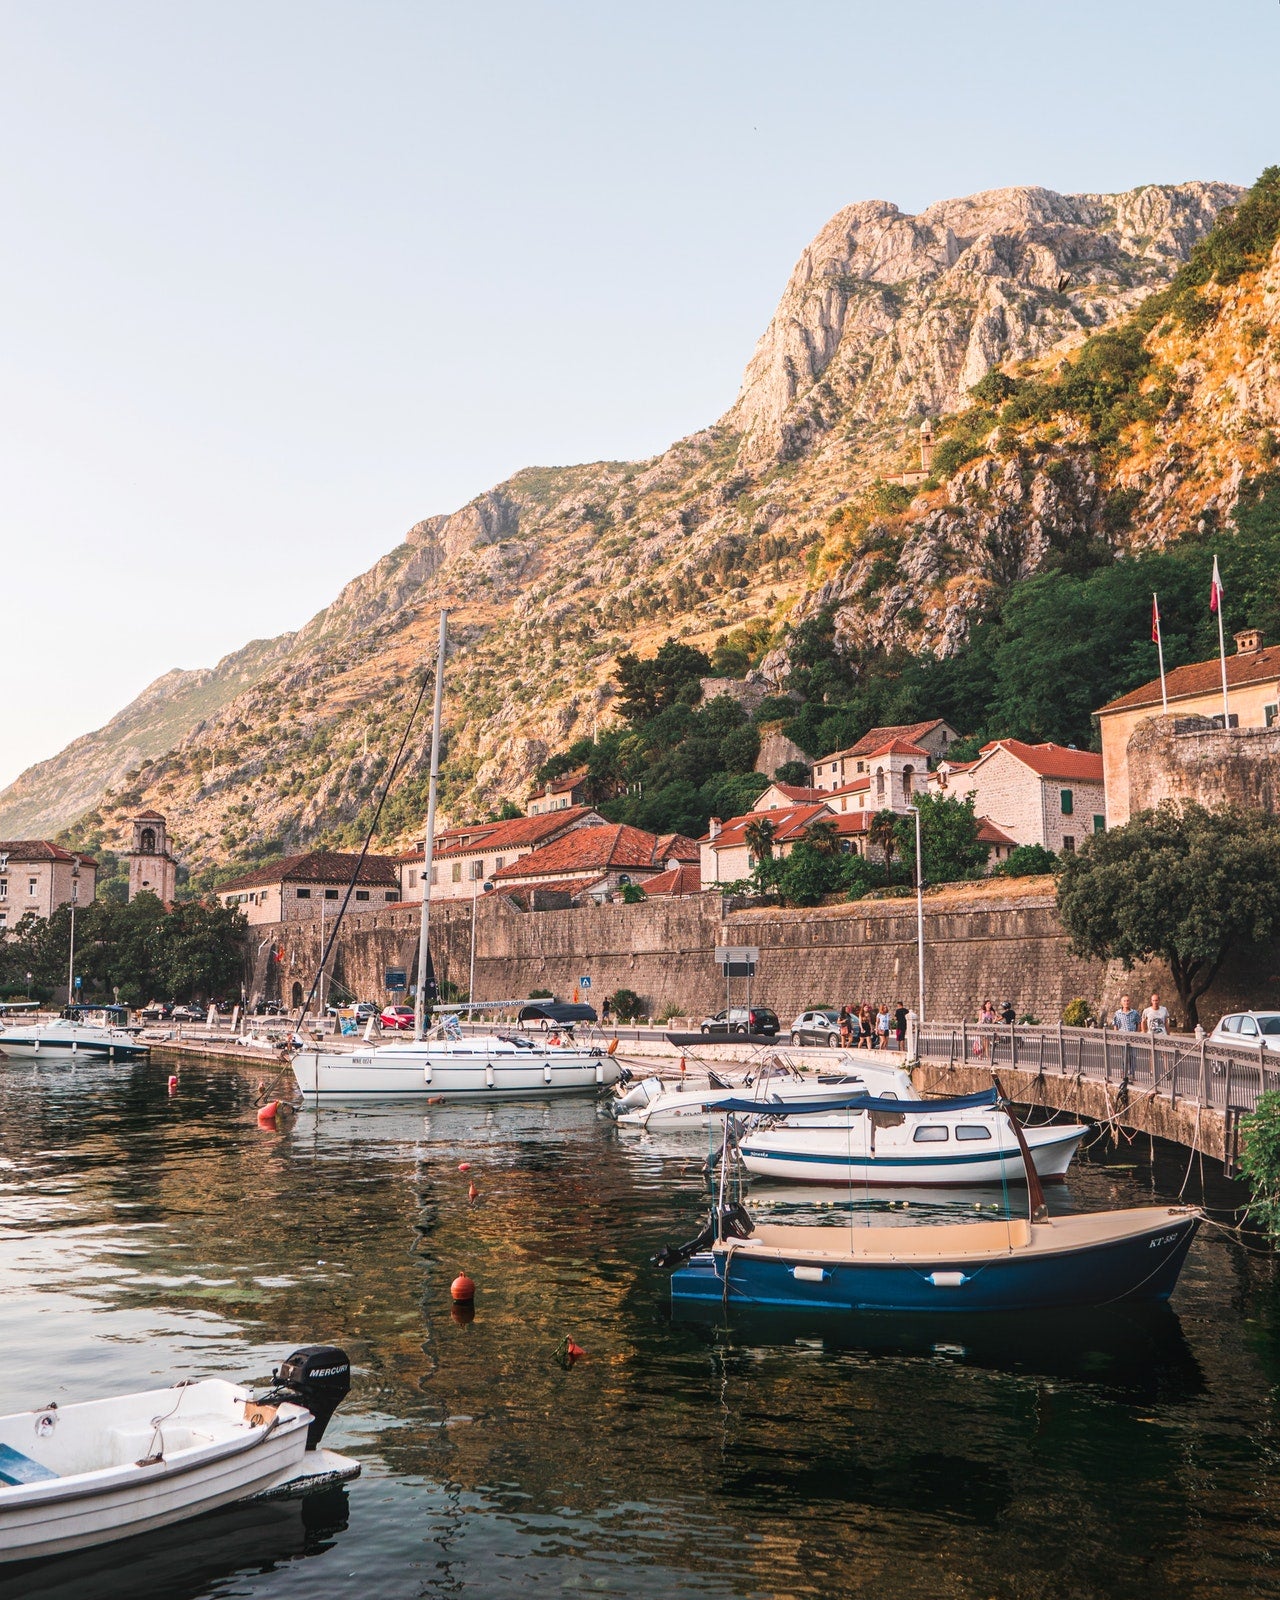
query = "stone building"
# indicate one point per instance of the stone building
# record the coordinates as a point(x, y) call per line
point(467, 857)
point(1045, 794)
point(560, 794)
point(299, 887)
point(37, 877)
point(929, 743)
point(1253, 701)
point(152, 869)
point(594, 863)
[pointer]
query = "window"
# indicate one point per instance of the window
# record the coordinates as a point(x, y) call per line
point(1230, 1025)
point(362, 894)
point(33, 886)
point(931, 1133)
point(1099, 822)
point(413, 877)
point(4, 919)
point(331, 894)
point(1068, 801)
point(499, 862)
point(1248, 1028)
point(1271, 714)
point(389, 895)
point(1068, 844)
point(455, 872)
point(4, 888)
point(968, 1130)
point(303, 894)
point(435, 875)
point(879, 783)
point(475, 870)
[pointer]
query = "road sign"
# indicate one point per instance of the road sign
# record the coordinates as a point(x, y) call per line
point(584, 983)
point(394, 978)
point(737, 960)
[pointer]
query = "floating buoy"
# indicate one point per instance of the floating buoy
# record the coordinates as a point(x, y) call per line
point(173, 1083)
point(435, 1099)
point(567, 1352)
point(464, 1166)
point(473, 1194)
point(267, 1114)
point(613, 1045)
point(462, 1289)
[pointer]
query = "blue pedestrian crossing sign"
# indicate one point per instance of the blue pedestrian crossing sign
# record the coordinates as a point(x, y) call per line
point(585, 983)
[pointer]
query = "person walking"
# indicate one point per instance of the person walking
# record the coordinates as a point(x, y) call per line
point(1155, 1019)
point(1127, 1018)
point(842, 1022)
point(855, 1028)
point(900, 1025)
point(884, 1021)
point(868, 1025)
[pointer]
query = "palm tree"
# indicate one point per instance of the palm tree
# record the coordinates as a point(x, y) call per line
point(824, 838)
point(759, 839)
point(883, 833)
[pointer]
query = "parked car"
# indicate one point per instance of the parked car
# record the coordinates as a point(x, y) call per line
point(365, 1009)
point(737, 1019)
point(817, 1027)
point(1249, 1028)
point(397, 1017)
point(156, 1011)
point(190, 1013)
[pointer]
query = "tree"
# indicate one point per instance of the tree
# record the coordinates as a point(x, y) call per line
point(948, 839)
point(1185, 885)
point(882, 832)
point(796, 772)
point(821, 835)
point(807, 874)
point(1028, 861)
point(647, 687)
point(758, 835)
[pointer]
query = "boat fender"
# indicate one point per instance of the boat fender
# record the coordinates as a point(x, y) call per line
point(426, 1073)
point(546, 1072)
point(473, 1194)
point(613, 1045)
point(462, 1289)
point(488, 1074)
point(599, 1072)
point(948, 1280)
point(464, 1166)
point(810, 1274)
point(267, 1114)
point(173, 1083)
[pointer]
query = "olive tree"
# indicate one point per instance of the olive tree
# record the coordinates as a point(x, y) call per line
point(1184, 885)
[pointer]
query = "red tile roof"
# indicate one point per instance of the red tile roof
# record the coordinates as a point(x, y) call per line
point(675, 881)
point(1051, 760)
point(789, 822)
point(875, 739)
point(677, 845)
point(1203, 678)
point(898, 747)
point(147, 816)
point(42, 850)
point(318, 866)
point(801, 793)
point(516, 833)
point(988, 833)
point(585, 851)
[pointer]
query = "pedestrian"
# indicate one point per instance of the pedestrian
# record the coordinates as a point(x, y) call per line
point(1007, 1013)
point(868, 1026)
point(1155, 1019)
point(900, 1025)
point(987, 1015)
point(1127, 1018)
point(884, 1021)
point(842, 1021)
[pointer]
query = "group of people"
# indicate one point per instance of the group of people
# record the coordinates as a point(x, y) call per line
point(989, 1014)
point(1153, 1018)
point(873, 1027)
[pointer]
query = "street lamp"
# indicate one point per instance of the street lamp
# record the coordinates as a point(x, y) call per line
point(919, 922)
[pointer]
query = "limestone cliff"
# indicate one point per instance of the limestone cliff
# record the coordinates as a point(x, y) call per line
point(887, 318)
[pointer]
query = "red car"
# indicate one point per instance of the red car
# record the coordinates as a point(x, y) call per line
point(397, 1017)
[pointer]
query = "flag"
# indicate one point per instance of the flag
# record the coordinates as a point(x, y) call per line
point(1155, 620)
point(1216, 590)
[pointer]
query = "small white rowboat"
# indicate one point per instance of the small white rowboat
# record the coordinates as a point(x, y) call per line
point(76, 1476)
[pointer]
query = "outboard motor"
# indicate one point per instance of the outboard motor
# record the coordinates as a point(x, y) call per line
point(318, 1376)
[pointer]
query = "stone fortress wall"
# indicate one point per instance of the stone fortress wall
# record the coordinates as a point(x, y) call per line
point(1188, 758)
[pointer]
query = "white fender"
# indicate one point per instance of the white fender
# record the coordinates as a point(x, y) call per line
point(488, 1074)
point(426, 1072)
point(599, 1071)
point(546, 1072)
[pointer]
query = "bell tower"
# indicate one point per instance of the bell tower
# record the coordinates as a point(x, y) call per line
point(152, 870)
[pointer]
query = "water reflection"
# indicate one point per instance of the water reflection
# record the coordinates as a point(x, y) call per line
point(147, 1237)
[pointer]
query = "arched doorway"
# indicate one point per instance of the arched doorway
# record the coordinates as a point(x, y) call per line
point(295, 999)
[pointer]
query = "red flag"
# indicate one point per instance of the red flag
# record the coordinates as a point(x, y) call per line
point(1155, 620)
point(1216, 590)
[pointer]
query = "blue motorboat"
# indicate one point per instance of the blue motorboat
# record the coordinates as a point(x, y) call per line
point(1027, 1263)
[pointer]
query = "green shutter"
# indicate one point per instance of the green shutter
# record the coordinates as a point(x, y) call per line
point(1068, 802)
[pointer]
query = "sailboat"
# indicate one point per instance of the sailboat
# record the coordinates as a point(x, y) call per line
point(444, 1062)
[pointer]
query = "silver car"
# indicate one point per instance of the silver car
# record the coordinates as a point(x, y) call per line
point(821, 1026)
point(1254, 1028)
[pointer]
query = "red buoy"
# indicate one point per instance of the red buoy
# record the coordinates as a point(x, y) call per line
point(173, 1083)
point(464, 1166)
point(267, 1115)
point(573, 1351)
point(462, 1289)
point(473, 1194)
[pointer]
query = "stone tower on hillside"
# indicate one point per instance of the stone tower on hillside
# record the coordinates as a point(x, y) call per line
point(152, 870)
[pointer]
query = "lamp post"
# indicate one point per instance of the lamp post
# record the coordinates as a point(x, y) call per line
point(919, 919)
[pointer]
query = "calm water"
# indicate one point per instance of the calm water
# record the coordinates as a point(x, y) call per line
point(149, 1237)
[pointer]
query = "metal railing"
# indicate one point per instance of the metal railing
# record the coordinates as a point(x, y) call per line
point(1177, 1067)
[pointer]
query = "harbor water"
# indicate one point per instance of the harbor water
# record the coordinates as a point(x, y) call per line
point(151, 1235)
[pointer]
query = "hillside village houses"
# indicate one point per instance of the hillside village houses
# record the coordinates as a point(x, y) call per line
point(594, 863)
point(1253, 701)
point(1045, 794)
point(559, 794)
point(469, 856)
point(302, 886)
point(37, 877)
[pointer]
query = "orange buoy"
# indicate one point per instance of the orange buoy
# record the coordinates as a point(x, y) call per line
point(267, 1115)
point(462, 1289)
point(464, 1166)
point(573, 1351)
point(567, 1352)
point(173, 1082)
point(613, 1045)
point(473, 1194)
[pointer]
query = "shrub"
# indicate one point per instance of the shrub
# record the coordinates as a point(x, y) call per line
point(1076, 1013)
point(1029, 861)
point(626, 1005)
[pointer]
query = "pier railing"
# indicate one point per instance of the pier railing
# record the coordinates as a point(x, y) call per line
point(1225, 1078)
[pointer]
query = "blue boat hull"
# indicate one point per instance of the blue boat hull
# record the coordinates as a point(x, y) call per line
point(1144, 1267)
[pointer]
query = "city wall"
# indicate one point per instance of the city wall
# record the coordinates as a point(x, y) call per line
point(1188, 758)
point(981, 942)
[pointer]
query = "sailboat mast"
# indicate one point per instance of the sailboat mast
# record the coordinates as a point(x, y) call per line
point(420, 1004)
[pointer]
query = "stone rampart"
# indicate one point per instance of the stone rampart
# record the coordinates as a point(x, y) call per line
point(1188, 758)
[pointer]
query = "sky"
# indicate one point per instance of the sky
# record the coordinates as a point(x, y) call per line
point(280, 279)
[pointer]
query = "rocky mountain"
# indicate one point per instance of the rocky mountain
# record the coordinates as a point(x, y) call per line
point(887, 319)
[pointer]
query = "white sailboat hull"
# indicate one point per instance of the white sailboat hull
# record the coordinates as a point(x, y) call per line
point(112, 1470)
point(466, 1071)
point(69, 1042)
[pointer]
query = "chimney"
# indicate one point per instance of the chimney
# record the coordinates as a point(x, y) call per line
point(1248, 641)
point(713, 827)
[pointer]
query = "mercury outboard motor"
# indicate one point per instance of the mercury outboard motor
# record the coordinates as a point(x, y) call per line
point(318, 1376)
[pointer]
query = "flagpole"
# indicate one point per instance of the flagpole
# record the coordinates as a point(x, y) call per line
point(1155, 610)
point(1222, 647)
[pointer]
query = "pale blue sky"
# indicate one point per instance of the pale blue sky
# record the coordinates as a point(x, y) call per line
point(281, 278)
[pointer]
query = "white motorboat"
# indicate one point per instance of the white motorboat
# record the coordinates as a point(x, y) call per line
point(877, 1146)
point(478, 1067)
point(99, 1033)
point(657, 1102)
point(76, 1476)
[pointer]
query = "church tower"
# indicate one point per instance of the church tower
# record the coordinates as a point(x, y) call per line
point(152, 870)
